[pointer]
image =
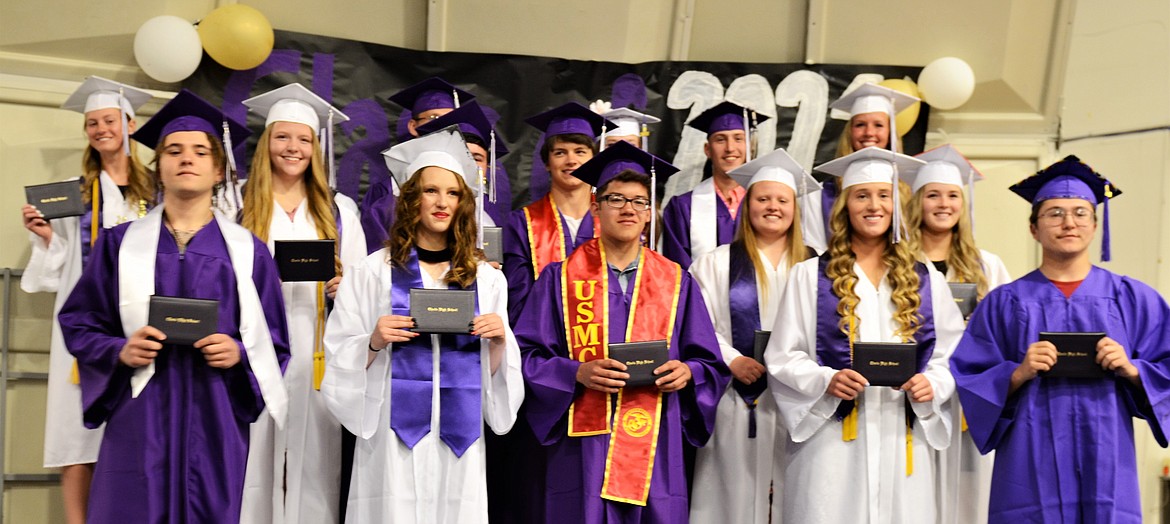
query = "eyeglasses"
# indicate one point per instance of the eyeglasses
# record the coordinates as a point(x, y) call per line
point(1081, 216)
point(427, 118)
point(617, 201)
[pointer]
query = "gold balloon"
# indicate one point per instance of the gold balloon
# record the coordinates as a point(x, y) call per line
point(237, 36)
point(908, 116)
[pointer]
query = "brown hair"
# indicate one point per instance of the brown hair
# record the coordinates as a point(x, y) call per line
point(461, 236)
point(567, 138)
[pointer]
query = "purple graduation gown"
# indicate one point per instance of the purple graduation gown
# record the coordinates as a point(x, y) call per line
point(177, 452)
point(1064, 448)
point(576, 465)
point(676, 228)
point(518, 256)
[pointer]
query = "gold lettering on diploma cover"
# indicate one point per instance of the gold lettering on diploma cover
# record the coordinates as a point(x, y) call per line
point(304, 260)
point(639, 362)
point(1071, 354)
point(883, 363)
point(437, 309)
point(636, 422)
point(53, 200)
point(183, 320)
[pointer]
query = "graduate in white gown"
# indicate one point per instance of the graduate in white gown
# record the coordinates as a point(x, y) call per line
point(116, 188)
point(294, 473)
point(858, 453)
point(742, 464)
point(940, 219)
point(420, 452)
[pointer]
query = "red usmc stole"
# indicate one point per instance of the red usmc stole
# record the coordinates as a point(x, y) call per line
point(546, 233)
point(629, 464)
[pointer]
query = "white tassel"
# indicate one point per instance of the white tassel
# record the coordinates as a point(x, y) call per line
point(653, 206)
point(492, 168)
point(329, 151)
point(747, 138)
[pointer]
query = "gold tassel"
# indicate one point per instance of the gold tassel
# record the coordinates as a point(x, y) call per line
point(909, 451)
point(318, 342)
point(74, 374)
point(963, 421)
point(95, 218)
point(849, 423)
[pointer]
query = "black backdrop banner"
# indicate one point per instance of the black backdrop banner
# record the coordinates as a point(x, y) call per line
point(358, 77)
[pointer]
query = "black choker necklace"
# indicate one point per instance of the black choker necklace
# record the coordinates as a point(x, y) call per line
point(433, 257)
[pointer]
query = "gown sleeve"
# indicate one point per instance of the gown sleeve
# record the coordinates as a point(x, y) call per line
point(517, 264)
point(549, 373)
point(1149, 329)
point(47, 263)
point(711, 277)
point(935, 416)
point(698, 349)
point(676, 231)
point(504, 389)
point(354, 393)
point(797, 381)
point(91, 325)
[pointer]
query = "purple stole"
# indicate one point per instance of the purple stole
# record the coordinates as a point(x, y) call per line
point(833, 344)
point(743, 299)
point(412, 375)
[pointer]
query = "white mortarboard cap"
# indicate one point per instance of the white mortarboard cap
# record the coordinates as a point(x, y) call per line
point(945, 165)
point(777, 166)
point(628, 121)
point(444, 148)
point(294, 103)
point(873, 98)
point(872, 164)
point(100, 93)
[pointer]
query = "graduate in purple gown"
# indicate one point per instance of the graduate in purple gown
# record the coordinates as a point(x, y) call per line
point(177, 415)
point(687, 231)
point(617, 458)
point(1064, 447)
point(549, 229)
point(423, 102)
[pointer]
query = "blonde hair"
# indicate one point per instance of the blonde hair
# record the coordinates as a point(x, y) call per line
point(256, 215)
point(744, 233)
point(897, 257)
point(461, 235)
point(962, 257)
point(141, 185)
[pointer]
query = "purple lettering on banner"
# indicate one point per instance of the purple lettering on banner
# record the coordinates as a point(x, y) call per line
point(629, 89)
point(323, 76)
point(367, 115)
point(239, 88)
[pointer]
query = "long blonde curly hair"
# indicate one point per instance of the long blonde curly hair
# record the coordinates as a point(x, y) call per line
point(963, 257)
point(258, 202)
point(461, 235)
point(897, 257)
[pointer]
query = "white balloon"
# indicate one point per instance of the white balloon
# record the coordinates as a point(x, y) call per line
point(167, 48)
point(946, 83)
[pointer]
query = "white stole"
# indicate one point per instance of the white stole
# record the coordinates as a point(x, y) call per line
point(704, 219)
point(136, 267)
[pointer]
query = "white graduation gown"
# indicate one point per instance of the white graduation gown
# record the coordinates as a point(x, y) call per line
point(734, 474)
point(294, 474)
point(391, 483)
point(863, 481)
point(55, 269)
point(964, 475)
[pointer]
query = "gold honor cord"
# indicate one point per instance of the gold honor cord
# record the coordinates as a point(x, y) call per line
point(318, 339)
point(849, 423)
point(94, 224)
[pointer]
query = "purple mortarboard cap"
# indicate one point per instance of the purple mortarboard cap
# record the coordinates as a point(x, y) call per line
point(724, 116)
point(1071, 178)
point(432, 93)
point(471, 121)
point(617, 158)
point(571, 118)
point(188, 112)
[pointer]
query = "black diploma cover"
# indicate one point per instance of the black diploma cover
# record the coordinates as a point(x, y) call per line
point(885, 363)
point(56, 200)
point(966, 297)
point(1076, 355)
point(442, 310)
point(493, 246)
point(305, 260)
point(183, 320)
point(641, 359)
point(759, 344)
